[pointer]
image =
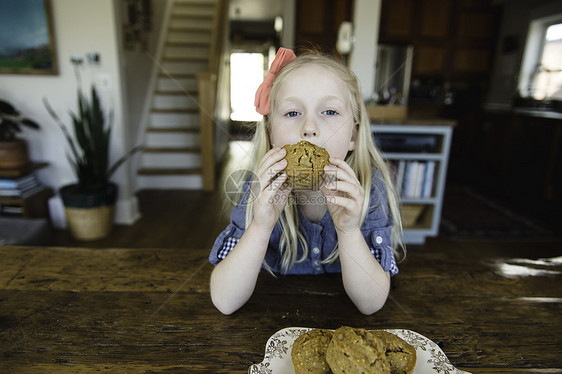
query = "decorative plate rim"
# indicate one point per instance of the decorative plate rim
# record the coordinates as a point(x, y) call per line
point(429, 354)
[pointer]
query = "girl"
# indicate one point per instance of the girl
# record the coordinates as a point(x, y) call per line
point(350, 224)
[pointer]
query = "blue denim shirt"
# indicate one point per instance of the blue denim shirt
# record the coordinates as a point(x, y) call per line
point(321, 238)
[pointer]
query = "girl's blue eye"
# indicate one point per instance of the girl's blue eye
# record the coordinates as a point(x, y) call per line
point(330, 112)
point(292, 113)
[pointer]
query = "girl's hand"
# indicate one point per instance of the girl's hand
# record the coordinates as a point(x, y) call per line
point(271, 193)
point(344, 195)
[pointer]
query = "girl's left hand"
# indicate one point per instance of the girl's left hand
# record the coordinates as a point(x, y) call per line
point(344, 195)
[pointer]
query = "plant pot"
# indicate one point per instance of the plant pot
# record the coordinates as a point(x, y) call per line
point(89, 214)
point(14, 154)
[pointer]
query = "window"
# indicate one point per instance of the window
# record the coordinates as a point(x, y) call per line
point(541, 70)
point(548, 80)
point(246, 74)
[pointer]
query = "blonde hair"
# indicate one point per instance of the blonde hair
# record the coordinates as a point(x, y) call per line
point(365, 160)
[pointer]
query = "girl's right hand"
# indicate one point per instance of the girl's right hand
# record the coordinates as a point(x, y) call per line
point(271, 193)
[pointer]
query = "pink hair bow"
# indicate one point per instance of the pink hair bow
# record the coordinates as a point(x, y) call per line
point(282, 58)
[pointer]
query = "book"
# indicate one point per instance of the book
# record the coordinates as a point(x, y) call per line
point(400, 177)
point(18, 193)
point(410, 177)
point(419, 179)
point(427, 190)
point(11, 210)
point(29, 180)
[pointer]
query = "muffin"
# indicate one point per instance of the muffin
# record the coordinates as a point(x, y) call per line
point(305, 164)
point(356, 351)
point(400, 355)
point(309, 352)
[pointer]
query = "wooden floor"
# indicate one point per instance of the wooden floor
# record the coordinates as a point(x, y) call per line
point(170, 219)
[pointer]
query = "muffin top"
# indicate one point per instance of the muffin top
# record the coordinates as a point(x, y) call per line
point(305, 164)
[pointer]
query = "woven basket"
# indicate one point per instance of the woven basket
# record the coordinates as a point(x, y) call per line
point(89, 215)
point(410, 214)
point(90, 223)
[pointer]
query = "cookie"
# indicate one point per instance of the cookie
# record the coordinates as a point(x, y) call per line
point(305, 164)
point(356, 351)
point(400, 355)
point(309, 352)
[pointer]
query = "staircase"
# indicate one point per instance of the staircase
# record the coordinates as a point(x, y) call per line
point(172, 156)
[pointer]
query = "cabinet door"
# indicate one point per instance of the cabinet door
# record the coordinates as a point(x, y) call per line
point(435, 18)
point(429, 60)
point(471, 60)
point(396, 20)
point(318, 22)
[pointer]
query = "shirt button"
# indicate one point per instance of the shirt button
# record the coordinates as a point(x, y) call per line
point(316, 250)
point(378, 239)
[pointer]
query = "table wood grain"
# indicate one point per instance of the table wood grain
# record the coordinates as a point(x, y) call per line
point(149, 310)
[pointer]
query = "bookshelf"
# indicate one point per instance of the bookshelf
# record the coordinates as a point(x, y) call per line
point(31, 203)
point(417, 154)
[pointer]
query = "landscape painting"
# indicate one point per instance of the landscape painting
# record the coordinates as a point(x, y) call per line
point(26, 37)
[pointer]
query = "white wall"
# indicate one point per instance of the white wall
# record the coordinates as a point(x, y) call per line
point(80, 27)
point(366, 21)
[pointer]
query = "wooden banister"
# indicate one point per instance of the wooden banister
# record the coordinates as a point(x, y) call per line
point(207, 85)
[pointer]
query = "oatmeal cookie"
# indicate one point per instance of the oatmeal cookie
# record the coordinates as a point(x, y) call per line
point(305, 164)
point(309, 352)
point(400, 355)
point(356, 351)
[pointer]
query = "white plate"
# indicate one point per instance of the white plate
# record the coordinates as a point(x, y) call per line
point(277, 359)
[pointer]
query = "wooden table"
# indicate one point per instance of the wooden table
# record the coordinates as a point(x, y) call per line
point(136, 310)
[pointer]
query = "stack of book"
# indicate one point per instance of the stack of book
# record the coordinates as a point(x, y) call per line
point(413, 179)
point(20, 188)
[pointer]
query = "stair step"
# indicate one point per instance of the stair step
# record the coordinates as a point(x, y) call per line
point(204, 28)
point(185, 16)
point(185, 59)
point(173, 129)
point(175, 67)
point(170, 171)
point(203, 36)
point(195, 2)
point(178, 76)
point(201, 2)
point(173, 150)
point(174, 111)
point(173, 83)
point(173, 139)
point(187, 44)
point(191, 53)
point(170, 182)
point(176, 92)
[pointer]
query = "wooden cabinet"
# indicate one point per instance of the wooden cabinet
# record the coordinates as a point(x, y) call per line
point(453, 40)
point(317, 23)
point(397, 20)
point(418, 153)
point(434, 18)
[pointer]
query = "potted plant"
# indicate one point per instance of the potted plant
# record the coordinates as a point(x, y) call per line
point(13, 149)
point(89, 203)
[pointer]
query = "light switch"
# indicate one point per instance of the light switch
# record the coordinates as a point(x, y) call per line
point(103, 82)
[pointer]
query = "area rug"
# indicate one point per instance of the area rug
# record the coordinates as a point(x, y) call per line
point(467, 214)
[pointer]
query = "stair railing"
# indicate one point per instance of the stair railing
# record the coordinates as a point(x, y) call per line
point(207, 86)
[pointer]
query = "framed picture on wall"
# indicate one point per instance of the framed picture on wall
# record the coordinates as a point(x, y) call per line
point(27, 44)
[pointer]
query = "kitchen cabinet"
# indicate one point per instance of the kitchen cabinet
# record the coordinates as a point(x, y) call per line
point(452, 40)
point(318, 21)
